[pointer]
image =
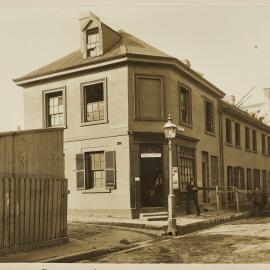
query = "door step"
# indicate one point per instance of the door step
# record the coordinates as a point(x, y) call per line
point(156, 216)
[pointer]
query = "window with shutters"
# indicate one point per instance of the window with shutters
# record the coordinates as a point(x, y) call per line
point(185, 105)
point(54, 108)
point(149, 98)
point(94, 102)
point(96, 170)
point(209, 116)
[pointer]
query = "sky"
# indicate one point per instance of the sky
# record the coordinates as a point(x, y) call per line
point(228, 41)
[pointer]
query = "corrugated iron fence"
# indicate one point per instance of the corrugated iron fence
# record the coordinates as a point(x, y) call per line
point(33, 190)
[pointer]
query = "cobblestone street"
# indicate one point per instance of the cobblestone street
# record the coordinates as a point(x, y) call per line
point(244, 241)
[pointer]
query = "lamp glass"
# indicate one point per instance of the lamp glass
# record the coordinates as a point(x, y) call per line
point(170, 130)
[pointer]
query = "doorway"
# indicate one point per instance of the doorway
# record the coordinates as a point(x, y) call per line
point(151, 180)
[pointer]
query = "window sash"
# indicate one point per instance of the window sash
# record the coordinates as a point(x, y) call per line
point(94, 111)
point(185, 105)
point(54, 109)
point(209, 116)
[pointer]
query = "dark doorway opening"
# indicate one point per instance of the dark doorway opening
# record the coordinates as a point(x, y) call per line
point(151, 182)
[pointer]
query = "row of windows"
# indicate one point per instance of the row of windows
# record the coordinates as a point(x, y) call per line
point(186, 110)
point(247, 179)
point(250, 137)
point(94, 105)
point(148, 99)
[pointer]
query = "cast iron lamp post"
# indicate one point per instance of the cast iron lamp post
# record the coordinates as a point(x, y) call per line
point(170, 133)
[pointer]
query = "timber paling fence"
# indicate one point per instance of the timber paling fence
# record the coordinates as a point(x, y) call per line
point(32, 211)
point(33, 189)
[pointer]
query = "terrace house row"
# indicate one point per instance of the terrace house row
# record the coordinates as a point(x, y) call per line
point(112, 97)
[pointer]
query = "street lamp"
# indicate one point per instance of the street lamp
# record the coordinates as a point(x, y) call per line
point(170, 133)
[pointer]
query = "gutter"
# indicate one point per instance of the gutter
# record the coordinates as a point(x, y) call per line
point(124, 58)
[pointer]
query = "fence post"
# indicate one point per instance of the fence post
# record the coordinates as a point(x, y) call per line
point(217, 199)
point(237, 200)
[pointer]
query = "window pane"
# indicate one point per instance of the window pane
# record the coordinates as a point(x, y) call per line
point(60, 108)
point(55, 109)
point(95, 106)
point(61, 119)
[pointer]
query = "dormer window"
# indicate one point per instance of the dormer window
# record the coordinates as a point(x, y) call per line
point(93, 42)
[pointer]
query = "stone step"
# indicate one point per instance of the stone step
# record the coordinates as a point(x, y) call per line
point(154, 214)
point(155, 218)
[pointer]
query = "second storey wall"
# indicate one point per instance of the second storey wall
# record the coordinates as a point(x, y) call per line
point(171, 80)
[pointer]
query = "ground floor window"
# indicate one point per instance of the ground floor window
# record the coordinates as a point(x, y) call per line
point(230, 178)
point(214, 170)
point(186, 165)
point(96, 170)
point(264, 180)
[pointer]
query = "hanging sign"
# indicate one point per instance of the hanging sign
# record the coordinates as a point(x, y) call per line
point(175, 178)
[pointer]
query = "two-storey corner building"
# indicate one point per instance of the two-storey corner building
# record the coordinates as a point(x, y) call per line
point(113, 97)
point(246, 151)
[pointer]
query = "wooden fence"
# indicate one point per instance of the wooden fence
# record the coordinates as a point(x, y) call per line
point(32, 211)
point(32, 153)
point(33, 190)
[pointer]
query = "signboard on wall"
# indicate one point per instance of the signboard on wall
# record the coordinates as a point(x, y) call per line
point(150, 155)
point(175, 178)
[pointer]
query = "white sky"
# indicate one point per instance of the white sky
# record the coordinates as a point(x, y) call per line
point(218, 37)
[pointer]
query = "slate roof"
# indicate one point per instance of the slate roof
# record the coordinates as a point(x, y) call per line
point(127, 44)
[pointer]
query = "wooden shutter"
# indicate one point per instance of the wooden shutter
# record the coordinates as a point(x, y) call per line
point(80, 174)
point(110, 176)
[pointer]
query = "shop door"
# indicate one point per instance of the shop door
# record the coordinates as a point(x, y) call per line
point(151, 180)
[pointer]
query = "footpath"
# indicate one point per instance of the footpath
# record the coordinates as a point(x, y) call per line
point(92, 238)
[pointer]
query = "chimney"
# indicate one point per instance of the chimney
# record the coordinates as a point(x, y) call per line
point(266, 92)
point(230, 99)
point(187, 62)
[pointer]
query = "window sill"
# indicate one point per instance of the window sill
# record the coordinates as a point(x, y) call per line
point(210, 133)
point(255, 151)
point(185, 124)
point(96, 190)
point(94, 123)
point(57, 127)
point(228, 144)
point(238, 147)
point(248, 150)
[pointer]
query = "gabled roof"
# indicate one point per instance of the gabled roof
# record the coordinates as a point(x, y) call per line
point(127, 44)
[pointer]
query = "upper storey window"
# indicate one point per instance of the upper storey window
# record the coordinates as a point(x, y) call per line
point(209, 116)
point(94, 102)
point(149, 97)
point(54, 109)
point(185, 105)
point(93, 42)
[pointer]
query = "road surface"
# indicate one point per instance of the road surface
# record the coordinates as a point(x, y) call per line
point(244, 241)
